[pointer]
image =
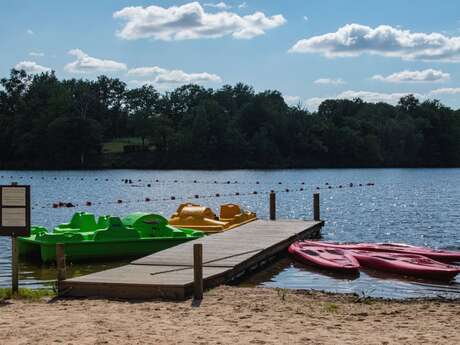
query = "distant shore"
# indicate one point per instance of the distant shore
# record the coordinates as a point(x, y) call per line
point(232, 315)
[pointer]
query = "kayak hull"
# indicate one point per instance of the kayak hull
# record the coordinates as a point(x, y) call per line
point(438, 255)
point(406, 264)
point(325, 258)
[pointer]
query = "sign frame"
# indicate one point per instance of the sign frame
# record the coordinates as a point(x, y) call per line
point(15, 231)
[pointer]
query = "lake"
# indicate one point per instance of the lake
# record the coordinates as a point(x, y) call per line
point(416, 206)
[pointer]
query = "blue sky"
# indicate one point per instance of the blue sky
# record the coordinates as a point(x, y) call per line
point(309, 50)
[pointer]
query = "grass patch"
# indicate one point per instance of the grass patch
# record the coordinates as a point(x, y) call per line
point(116, 146)
point(331, 307)
point(27, 294)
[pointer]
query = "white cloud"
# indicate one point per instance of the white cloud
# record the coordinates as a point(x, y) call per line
point(425, 76)
point(87, 64)
point(30, 32)
point(31, 67)
point(314, 102)
point(376, 97)
point(446, 91)
point(165, 76)
point(355, 39)
point(220, 5)
point(330, 81)
point(291, 99)
point(146, 71)
point(190, 21)
point(37, 54)
point(243, 5)
point(366, 96)
point(306, 18)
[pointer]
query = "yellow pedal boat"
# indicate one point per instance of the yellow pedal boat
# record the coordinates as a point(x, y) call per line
point(202, 218)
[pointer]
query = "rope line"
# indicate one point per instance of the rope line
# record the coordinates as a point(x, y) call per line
point(62, 204)
point(130, 181)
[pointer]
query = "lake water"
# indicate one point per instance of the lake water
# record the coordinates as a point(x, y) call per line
point(417, 206)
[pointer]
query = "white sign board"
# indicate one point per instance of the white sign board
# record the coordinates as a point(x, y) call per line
point(13, 217)
point(14, 196)
point(14, 210)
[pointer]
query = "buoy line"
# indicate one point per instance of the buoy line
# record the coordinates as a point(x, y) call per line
point(61, 204)
point(129, 181)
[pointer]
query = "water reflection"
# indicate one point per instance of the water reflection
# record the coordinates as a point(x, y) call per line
point(416, 206)
point(292, 275)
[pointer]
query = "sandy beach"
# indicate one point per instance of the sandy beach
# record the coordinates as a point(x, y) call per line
point(232, 315)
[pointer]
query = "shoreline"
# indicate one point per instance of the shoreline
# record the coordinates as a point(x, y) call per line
point(233, 315)
point(230, 169)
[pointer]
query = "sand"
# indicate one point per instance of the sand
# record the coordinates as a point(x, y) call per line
point(232, 315)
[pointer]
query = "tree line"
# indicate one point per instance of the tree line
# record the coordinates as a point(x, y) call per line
point(46, 122)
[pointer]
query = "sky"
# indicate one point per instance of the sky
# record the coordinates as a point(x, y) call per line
point(309, 50)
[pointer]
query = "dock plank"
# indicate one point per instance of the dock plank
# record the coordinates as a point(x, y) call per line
point(255, 236)
point(169, 273)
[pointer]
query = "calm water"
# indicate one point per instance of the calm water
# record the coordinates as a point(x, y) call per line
point(417, 206)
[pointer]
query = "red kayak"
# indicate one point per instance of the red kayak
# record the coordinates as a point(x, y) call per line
point(406, 264)
point(439, 255)
point(327, 258)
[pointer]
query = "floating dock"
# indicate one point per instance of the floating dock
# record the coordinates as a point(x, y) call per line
point(169, 274)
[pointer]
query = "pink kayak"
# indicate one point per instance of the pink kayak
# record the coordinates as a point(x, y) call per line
point(406, 264)
point(439, 255)
point(327, 258)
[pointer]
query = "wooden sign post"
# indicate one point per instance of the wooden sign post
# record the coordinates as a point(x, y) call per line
point(14, 222)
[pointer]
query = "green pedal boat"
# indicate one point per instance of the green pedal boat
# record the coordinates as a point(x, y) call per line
point(86, 239)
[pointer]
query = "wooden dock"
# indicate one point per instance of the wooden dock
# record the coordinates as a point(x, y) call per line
point(169, 274)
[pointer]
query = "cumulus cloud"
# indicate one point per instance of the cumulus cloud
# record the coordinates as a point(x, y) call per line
point(330, 81)
point(220, 5)
point(30, 32)
point(355, 39)
point(87, 64)
point(446, 91)
point(425, 76)
point(367, 96)
point(243, 5)
point(36, 54)
point(190, 21)
point(314, 102)
point(165, 76)
point(291, 99)
point(376, 97)
point(31, 67)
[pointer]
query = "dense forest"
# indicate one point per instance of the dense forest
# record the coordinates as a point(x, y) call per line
point(50, 123)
